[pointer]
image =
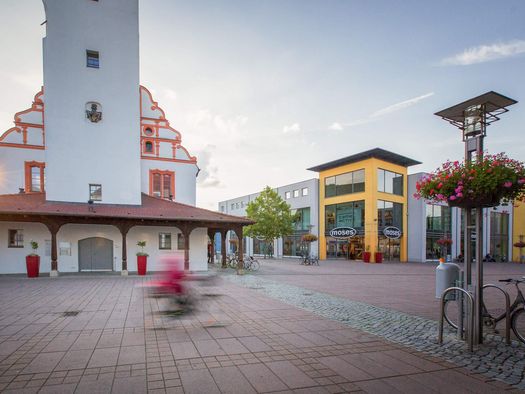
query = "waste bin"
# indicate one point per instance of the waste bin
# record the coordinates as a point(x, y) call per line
point(446, 276)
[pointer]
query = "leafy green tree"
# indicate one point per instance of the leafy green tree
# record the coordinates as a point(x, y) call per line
point(272, 215)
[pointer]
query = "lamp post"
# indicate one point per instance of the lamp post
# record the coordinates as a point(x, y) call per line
point(472, 117)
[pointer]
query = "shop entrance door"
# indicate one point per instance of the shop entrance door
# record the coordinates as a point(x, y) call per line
point(391, 248)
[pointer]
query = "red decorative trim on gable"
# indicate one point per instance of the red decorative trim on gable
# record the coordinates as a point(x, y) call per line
point(21, 127)
point(193, 161)
point(156, 126)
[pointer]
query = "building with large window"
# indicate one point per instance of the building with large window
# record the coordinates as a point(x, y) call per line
point(363, 205)
point(303, 200)
point(94, 165)
point(428, 223)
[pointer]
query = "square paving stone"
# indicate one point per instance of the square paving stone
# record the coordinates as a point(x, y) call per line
point(44, 362)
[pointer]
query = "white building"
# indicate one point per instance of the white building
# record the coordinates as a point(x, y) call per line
point(427, 223)
point(303, 198)
point(94, 165)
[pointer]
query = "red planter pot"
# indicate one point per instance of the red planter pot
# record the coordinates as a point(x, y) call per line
point(378, 257)
point(142, 262)
point(366, 257)
point(33, 266)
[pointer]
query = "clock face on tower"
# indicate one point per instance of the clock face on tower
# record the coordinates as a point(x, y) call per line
point(148, 131)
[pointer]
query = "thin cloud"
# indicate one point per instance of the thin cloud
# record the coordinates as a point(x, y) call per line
point(336, 126)
point(292, 129)
point(381, 112)
point(485, 53)
point(399, 106)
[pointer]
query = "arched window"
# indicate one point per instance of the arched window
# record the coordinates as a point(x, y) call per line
point(148, 147)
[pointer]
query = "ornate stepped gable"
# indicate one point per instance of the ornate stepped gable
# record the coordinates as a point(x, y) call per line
point(158, 140)
point(29, 127)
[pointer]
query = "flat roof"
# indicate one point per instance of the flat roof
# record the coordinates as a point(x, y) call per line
point(377, 153)
point(494, 102)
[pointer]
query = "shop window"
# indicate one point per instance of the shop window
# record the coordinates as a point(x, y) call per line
point(350, 214)
point(64, 248)
point(389, 214)
point(95, 192)
point(162, 184)
point(34, 176)
point(15, 238)
point(92, 59)
point(347, 183)
point(301, 219)
point(389, 182)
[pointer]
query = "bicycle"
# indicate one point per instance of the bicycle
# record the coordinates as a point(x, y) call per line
point(309, 260)
point(251, 263)
point(517, 312)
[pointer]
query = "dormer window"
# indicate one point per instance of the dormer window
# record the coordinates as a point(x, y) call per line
point(92, 59)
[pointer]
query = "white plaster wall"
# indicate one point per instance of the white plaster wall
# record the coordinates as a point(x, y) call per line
point(75, 232)
point(185, 178)
point(12, 169)
point(80, 152)
point(13, 260)
point(199, 249)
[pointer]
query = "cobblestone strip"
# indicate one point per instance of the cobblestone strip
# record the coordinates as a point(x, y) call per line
point(494, 359)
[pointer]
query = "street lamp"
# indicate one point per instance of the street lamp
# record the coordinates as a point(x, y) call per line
point(472, 117)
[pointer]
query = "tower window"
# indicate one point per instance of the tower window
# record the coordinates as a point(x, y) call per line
point(95, 192)
point(148, 147)
point(34, 174)
point(92, 59)
point(162, 184)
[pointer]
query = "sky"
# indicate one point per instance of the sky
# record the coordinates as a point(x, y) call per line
point(263, 90)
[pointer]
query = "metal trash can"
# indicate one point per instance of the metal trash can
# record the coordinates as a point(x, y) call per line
point(446, 276)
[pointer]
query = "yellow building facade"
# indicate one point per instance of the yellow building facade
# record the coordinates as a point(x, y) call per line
point(363, 206)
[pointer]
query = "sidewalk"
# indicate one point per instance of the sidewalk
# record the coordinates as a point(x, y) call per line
point(116, 343)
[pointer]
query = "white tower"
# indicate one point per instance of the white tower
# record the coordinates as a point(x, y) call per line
point(91, 88)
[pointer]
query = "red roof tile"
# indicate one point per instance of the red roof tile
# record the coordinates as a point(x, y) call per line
point(152, 208)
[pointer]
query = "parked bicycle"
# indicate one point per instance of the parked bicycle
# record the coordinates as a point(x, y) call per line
point(309, 260)
point(490, 320)
point(249, 262)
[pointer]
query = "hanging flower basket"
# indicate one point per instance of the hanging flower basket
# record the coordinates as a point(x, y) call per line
point(309, 238)
point(475, 185)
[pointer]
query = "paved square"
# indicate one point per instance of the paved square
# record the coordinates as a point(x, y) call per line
point(118, 343)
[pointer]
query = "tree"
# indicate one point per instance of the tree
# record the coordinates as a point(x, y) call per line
point(272, 215)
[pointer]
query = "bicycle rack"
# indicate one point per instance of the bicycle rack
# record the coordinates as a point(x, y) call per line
point(507, 310)
point(470, 315)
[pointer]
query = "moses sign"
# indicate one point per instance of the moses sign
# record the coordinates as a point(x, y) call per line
point(342, 232)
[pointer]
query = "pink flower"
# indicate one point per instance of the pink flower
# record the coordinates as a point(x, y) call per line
point(440, 185)
point(459, 195)
point(452, 198)
point(507, 184)
point(521, 181)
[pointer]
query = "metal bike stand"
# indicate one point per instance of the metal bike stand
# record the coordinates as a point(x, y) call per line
point(507, 310)
point(470, 314)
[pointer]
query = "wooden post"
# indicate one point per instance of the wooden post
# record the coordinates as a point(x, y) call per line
point(186, 231)
point(124, 229)
point(53, 228)
point(240, 250)
point(223, 248)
